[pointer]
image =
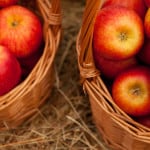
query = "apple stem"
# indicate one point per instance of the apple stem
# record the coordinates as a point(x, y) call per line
point(123, 36)
point(14, 23)
point(136, 91)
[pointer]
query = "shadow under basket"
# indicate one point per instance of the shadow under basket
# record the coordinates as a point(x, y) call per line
point(24, 100)
point(119, 130)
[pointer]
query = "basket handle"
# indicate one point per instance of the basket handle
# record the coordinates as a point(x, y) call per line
point(90, 75)
point(84, 41)
point(52, 14)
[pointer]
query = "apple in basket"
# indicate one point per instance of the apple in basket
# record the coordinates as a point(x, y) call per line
point(147, 23)
point(136, 5)
point(10, 70)
point(131, 91)
point(144, 120)
point(20, 30)
point(110, 68)
point(144, 53)
point(147, 2)
point(28, 63)
point(5, 3)
point(118, 33)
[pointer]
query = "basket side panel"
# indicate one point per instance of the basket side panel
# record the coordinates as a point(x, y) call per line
point(113, 134)
point(28, 103)
point(23, 101)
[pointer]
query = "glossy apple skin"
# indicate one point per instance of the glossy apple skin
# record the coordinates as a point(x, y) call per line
point(20, 30)
point(6, 3)
point(118, 33)
point(147, 2)
point(28, 63)
point(10, 70)
point(131, 91)
point(110, 68)
point(147, 23)
point(144, 53)
point(144, 120)
point(137, 5)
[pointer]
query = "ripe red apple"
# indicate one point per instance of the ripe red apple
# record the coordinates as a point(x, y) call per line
point(20, 30)
point(144, 120)
point(110, 68)
point(118, 33)
point(6, 3)
point(147, 2)
point(147, 23)
point(28, 63)
point(137, 5)
point(131, 91)
point(10, 70)
point(144, 53)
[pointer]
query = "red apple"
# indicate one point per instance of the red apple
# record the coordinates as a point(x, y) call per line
point(137, 5)
point(20, 30)
point(118, 33)
point(144, 53)
point(147, 2)
point(144, 120)
point(110, 68)
point(6, 3)
point(131, 91)
point(28, 63)
point(10, 70)
point(147, 23)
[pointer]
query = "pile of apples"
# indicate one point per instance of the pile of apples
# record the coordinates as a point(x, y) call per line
point(21, 40)
point(121, 51)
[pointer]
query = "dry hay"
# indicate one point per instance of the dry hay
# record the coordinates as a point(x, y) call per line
point(65, 121)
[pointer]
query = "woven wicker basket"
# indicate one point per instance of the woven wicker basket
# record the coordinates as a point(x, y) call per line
point(25, 99)
point(119, 131)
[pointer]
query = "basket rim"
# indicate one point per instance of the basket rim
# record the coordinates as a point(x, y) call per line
point(16, 98)
point(87, 80)
point(54, 38)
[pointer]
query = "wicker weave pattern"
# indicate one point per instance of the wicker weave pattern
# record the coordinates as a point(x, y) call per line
point(29, 95)
point(119, 131)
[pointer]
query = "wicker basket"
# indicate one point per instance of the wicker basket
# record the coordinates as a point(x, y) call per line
point(119, 131)
point(25, 99)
